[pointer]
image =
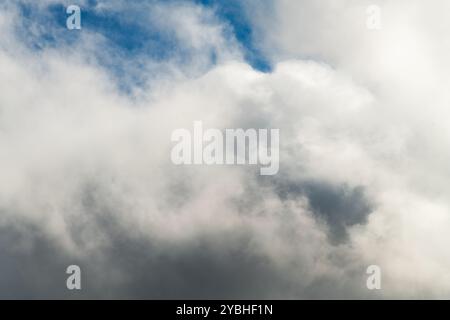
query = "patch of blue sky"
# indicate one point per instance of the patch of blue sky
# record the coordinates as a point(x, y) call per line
point(39, 29)
point(236, 14)
point(128, 40)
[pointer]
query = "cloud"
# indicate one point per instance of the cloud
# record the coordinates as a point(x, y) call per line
point(87, 179)
point(402, 137)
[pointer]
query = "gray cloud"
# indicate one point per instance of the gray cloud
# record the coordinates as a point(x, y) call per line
point(340, 206)
point(221, 266)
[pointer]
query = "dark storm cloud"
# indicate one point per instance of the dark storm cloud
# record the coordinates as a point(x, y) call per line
point(219, 266)
point(212, 267)
point(215, 266)
point(31, 265)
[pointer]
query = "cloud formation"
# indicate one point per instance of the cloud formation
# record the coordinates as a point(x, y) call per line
point(87, 179)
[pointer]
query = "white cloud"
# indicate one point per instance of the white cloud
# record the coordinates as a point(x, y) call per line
point(76, 153)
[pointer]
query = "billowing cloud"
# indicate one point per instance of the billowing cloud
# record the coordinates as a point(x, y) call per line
point(87, 178)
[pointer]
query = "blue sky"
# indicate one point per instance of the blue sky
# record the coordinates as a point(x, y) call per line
point(236, 15)
point(129, 39)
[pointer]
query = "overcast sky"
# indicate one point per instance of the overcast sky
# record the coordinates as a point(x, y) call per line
point(86, 118)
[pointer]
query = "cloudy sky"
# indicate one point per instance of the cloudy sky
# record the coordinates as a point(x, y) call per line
point(86, 118)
